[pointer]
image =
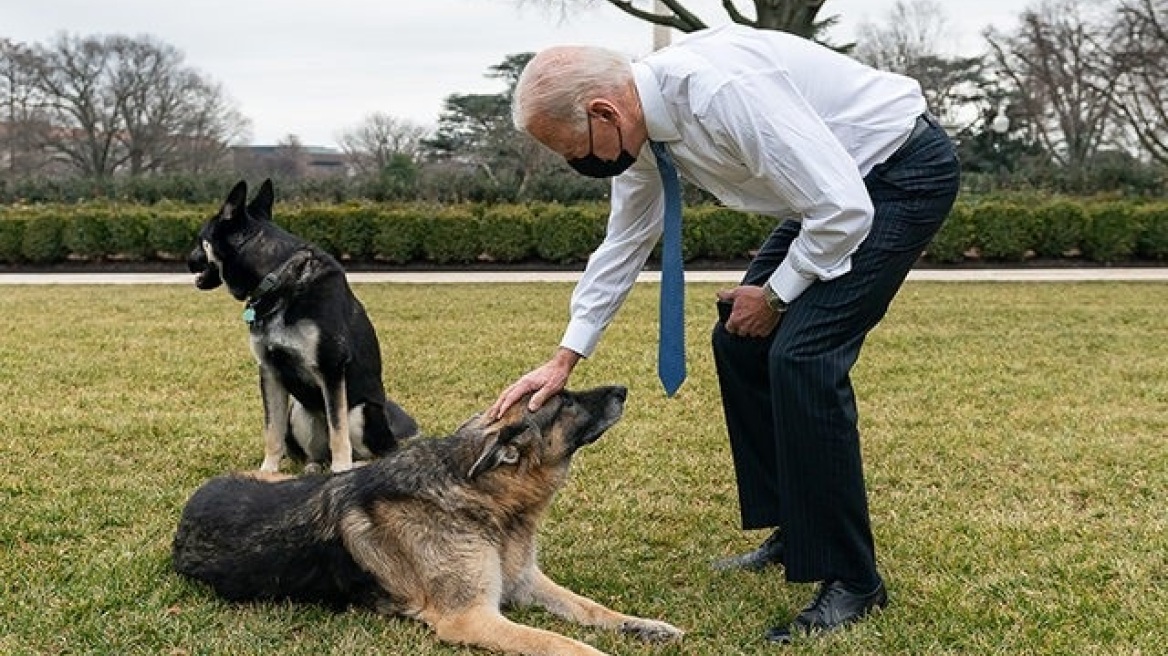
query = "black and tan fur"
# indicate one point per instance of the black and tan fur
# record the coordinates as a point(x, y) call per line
point(318, 354)
point(442, 531)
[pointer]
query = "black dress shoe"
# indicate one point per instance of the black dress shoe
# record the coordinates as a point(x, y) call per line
point(770, 552)
point(834, 606)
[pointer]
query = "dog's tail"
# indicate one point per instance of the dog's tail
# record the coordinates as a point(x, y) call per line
point(386, 426)
point(401, 424)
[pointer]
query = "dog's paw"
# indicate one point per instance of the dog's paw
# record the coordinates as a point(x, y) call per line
point(652, 630)
point(313, 468)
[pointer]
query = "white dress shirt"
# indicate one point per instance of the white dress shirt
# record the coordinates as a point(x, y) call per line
point(768, 123)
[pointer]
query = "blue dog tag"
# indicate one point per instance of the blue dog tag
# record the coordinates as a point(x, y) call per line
point(249, 315)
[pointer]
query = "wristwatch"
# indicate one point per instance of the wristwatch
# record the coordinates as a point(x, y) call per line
point(772, 299)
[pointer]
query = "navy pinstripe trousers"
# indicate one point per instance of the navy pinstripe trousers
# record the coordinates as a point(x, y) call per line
point(788, 398)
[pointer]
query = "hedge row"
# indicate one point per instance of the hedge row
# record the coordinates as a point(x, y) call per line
point(996, 230)
point(1100, 232)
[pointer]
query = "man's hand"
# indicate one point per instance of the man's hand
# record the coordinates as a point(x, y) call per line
point(546, 381)
point(751, 316)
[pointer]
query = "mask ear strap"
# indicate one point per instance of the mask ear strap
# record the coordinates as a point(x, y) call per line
point(591, 145)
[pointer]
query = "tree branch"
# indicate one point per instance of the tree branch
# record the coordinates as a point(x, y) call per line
point(681, 18)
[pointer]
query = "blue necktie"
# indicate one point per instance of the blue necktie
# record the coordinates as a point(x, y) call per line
point(671, 344)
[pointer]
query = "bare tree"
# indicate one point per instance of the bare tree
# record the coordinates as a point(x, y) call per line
point(208, 125)
point(1142, 97)
point(151, 81)
point(794, 16)
point(1060, 65)
point(288, 160)
point(75, 74)
point(912, 30)
point(117, 104)
point(378, 139)
point(24, 125)
point(910, 42)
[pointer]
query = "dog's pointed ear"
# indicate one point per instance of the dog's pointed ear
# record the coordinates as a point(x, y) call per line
point(261, 206)
point(498, 449)
point(233, 207)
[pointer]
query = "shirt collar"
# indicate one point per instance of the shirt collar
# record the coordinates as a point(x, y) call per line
point(657, 121)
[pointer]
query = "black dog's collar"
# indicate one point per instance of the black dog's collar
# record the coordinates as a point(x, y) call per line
point(270, 282)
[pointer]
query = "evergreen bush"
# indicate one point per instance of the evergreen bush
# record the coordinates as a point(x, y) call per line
point(955, 238)
point(1003, 230)
point(505, 233)
point(1110, 232)
point(452, 236)
point(1153, 240)
point(1058, 228)
point(397, 234)
point(568, 233)
point(11, 240)
point(43, 239)
point(84, 235)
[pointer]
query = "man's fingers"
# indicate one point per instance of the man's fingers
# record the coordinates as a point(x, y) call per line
point(538, 398)
point(505, 400)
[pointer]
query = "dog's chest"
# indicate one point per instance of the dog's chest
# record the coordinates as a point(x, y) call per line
point(294, 345)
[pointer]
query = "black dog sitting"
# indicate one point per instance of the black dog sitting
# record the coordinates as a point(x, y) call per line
point(319, 358)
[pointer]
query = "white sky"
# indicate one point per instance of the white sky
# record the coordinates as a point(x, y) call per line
point(313, 68)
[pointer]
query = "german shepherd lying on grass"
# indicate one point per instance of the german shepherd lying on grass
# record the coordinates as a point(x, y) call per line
point(441, 530)
point(319, 358)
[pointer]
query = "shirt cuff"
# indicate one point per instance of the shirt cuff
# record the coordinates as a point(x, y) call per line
point(581, 337)
point(788, 283)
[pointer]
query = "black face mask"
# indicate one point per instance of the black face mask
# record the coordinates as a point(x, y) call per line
point(593, 166)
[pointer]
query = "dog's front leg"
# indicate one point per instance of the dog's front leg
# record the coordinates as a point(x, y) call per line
point(277, 405)
point(336, 410)
point(558, 600)
point(487, 628)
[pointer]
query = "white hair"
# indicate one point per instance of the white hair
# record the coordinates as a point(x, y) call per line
point(558, 82)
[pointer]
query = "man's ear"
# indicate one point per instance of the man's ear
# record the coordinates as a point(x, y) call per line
point(603, 109)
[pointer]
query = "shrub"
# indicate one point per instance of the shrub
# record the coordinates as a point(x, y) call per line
point(84, 233)
point(127, 234)
point(397, 234)
point(354, 231)
point(955, 238)
point(451, 236)
point(1153, 240)
point(505, 233)
point(42, 242)
point(1110, 233)
point(1058, 228)
point(1003, 230)
point(11, 239)
point(729, 234)
point(565, 234)
point(169, 235)
point(318, 224)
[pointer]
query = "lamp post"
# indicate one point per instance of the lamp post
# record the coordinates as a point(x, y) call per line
point(1001, 123)
point(999, 126)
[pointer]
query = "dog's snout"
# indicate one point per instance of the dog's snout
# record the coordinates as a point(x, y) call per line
point(620, 392)
point(197, 260)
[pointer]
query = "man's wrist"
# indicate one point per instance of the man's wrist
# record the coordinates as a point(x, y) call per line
point(776, 304)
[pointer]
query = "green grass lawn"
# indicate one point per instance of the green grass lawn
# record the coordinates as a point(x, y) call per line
point(1016, 440)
